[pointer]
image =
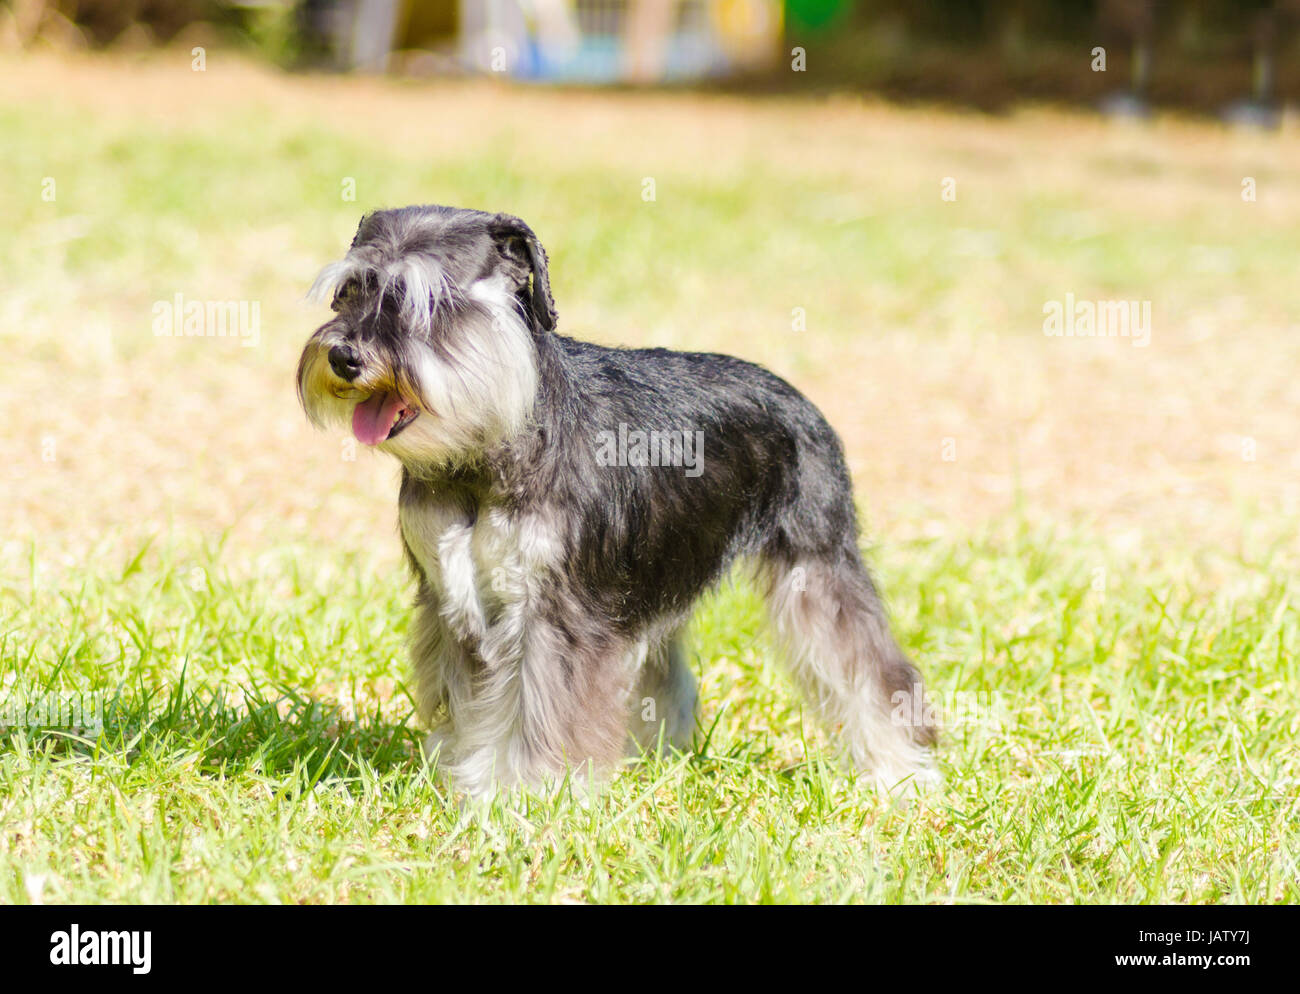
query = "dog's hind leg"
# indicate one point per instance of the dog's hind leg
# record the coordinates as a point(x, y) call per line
point(832, 627)
point(665, 698)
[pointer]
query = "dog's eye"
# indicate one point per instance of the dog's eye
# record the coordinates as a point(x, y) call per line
point(344, 294)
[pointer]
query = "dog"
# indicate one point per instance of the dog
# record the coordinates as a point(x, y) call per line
point(563, 506)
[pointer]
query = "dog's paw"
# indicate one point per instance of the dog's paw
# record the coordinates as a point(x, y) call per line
point(906, 784)
point(436, 748)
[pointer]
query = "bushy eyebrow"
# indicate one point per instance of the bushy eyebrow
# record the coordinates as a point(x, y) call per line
point(418, 280)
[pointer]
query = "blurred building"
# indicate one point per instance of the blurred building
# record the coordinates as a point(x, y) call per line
point(593, 41)
point(1238, 59)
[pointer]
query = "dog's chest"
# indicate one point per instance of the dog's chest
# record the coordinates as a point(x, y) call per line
point(479, 562)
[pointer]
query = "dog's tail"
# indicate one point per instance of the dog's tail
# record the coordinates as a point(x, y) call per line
point(832, 627)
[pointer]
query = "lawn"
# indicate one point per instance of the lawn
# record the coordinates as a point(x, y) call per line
point(1089, 546)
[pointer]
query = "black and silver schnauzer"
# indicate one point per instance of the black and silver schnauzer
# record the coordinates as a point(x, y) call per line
point(563, 506)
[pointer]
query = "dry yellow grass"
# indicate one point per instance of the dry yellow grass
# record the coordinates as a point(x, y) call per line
point(203, 434)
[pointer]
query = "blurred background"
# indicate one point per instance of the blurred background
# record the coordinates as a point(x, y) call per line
point(1241, 59)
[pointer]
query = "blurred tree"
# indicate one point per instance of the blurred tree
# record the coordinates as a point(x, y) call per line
point(815, 15)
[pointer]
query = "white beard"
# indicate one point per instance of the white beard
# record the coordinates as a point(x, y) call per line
point(483, 395)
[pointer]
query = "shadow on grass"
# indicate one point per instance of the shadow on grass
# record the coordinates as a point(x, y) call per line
point(273, 736)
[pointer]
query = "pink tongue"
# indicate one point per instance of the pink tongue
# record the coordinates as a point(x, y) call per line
point(373, 419)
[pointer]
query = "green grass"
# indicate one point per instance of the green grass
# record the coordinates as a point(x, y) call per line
point(1135, 746)
point(1116, 648)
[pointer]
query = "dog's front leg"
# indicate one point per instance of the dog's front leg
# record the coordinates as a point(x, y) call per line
point(469, 692)
point(443, 670)
point(549, 700)
point(539, 687)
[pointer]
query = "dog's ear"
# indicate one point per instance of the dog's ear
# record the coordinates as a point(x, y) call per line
point(365, 219)
point(517, 242)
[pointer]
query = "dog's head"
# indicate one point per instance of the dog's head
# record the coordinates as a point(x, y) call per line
point(431, 355)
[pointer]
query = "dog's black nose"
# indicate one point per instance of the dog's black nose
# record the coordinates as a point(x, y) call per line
point(344, 363)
